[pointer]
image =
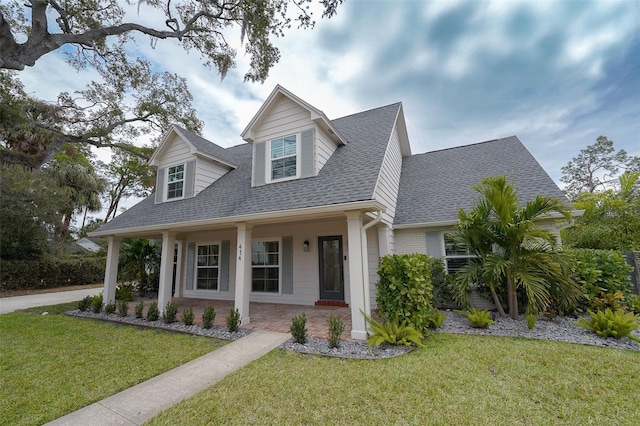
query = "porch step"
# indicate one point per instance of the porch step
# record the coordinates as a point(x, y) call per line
point(332, 303)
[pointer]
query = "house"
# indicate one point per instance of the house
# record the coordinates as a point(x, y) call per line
point(301, 212)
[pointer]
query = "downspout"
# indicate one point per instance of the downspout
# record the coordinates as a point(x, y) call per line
point(365, 261)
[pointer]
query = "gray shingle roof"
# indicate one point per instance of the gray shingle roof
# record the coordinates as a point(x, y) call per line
point(350, 175)
point(435, 184)
point(208, 147)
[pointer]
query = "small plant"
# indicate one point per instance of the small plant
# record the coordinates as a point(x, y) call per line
point(392, 333)
point(608, 323)
point(138, 309)
point(170, 313)
point(336, 327)
point(477, 318)
point(531, 321)
point(607, 300)
point(299, 328)
point(233, 320)
point(153, 313)
point(96, 303)
point(435, 318)
point(188, 316)
point(634, 303)
point(110, 307)
point(208, 316)
point(85, 303)
point(123, 308)
point(124, 292)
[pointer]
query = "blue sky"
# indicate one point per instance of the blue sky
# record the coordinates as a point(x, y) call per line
point(555, 73)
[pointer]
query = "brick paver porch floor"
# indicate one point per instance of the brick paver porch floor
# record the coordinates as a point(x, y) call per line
point(270, 316)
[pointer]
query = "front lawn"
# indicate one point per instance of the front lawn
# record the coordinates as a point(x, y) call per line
point(51, 365)
point(456, 379)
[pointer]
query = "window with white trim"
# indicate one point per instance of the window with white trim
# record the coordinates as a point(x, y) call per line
point(207, 266)
point(265, 266)
point(284, 157)
point(457, 254)
point(175, 181)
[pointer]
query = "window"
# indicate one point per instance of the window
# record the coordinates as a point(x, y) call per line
point(265, 265)
point(284, 158)
point(456, 254)
point(207, 267)
point(175, 179)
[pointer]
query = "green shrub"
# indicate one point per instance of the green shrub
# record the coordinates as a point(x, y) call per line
point(85, 303)
point(138, 309)
point(531, 321)
point(123, 308)
point(336, 328)
point(110, 307)
point(233, 320)
point(208, 316)
point(124, 292)
point(153, 313)
point(188, 316)
point(170, 313)
point(392, 333)
point(608, 323)
point(51, 272)
point(435, 318)
point(299, 328)
point(634, 303)
point(477, 318)
point(606, 300)
point(600, 270)
point(405, 289)
point(96, 303)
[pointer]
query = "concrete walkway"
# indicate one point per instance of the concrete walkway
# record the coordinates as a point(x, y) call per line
point(11, 304)
point(140, 403)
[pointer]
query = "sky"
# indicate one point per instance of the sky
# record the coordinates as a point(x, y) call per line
point(557, 74)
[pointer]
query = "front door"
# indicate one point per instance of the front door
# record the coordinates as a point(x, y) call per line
point(331, 274)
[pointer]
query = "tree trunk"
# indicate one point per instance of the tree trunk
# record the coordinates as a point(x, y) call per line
point(512, 297)
point(496, 301)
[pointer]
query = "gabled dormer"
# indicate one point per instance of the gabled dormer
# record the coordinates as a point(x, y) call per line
point(291, 139)
point(187, 164)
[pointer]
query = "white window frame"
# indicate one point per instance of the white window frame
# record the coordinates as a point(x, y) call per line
point(264, 240)
point(183, 180)
point(269, 160)
point(453, 256)
point(196, 267)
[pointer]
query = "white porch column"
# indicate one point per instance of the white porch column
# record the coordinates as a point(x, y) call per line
point(356, 276)
point(111, 271)
point(243, 272)
point(166, 269)
point(384, 243)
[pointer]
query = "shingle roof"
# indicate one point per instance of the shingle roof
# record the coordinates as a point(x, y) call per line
point(435, 184)
point(350, 175)
point(207, 147)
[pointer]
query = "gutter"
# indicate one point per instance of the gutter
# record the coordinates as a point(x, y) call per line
point(365, 261)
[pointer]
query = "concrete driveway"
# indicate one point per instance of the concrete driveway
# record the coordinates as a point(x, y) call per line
point(11, 304)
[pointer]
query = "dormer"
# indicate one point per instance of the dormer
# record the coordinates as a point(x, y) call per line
point(187, 164)
point(291, 139)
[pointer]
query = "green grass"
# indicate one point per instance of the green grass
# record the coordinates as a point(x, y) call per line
point(51, 365)
point(456, 379)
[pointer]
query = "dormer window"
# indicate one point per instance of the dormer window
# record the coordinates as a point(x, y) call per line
point(175, 182)
point(284, 158)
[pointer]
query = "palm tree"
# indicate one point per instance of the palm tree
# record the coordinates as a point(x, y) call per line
point(512, 250)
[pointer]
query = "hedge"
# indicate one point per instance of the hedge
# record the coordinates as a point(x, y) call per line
point(51, 272)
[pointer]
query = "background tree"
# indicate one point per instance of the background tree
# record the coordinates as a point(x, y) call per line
point(596, 168)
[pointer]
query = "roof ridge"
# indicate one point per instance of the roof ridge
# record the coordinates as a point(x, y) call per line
point(367, 110)
point(466, 146)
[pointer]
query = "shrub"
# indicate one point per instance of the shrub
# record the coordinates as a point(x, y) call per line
point(138, 309)
point(405, 289)
point(435, 318)
point(608, 323)
point(123, 308)
point(393, 333)
point(233, 320)
point(477, 318)
point(188, 316)
point(170, 313)
point(531, 321)
point(299, 328)
point(110, 307)
point(85, 303)
point(613, 301)
point(336, 328)
point(51, 272)
point(124, 292)
point(153, 313)
point(634, 303)
point(96, 303)
point(208, 316)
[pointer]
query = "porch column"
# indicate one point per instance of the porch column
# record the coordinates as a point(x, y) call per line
point(384, 237)
point(356, 276)
point(166, 269)
point(111, 271)
point(243, 272)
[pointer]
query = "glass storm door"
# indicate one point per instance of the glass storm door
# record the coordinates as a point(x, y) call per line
point(331, 274)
